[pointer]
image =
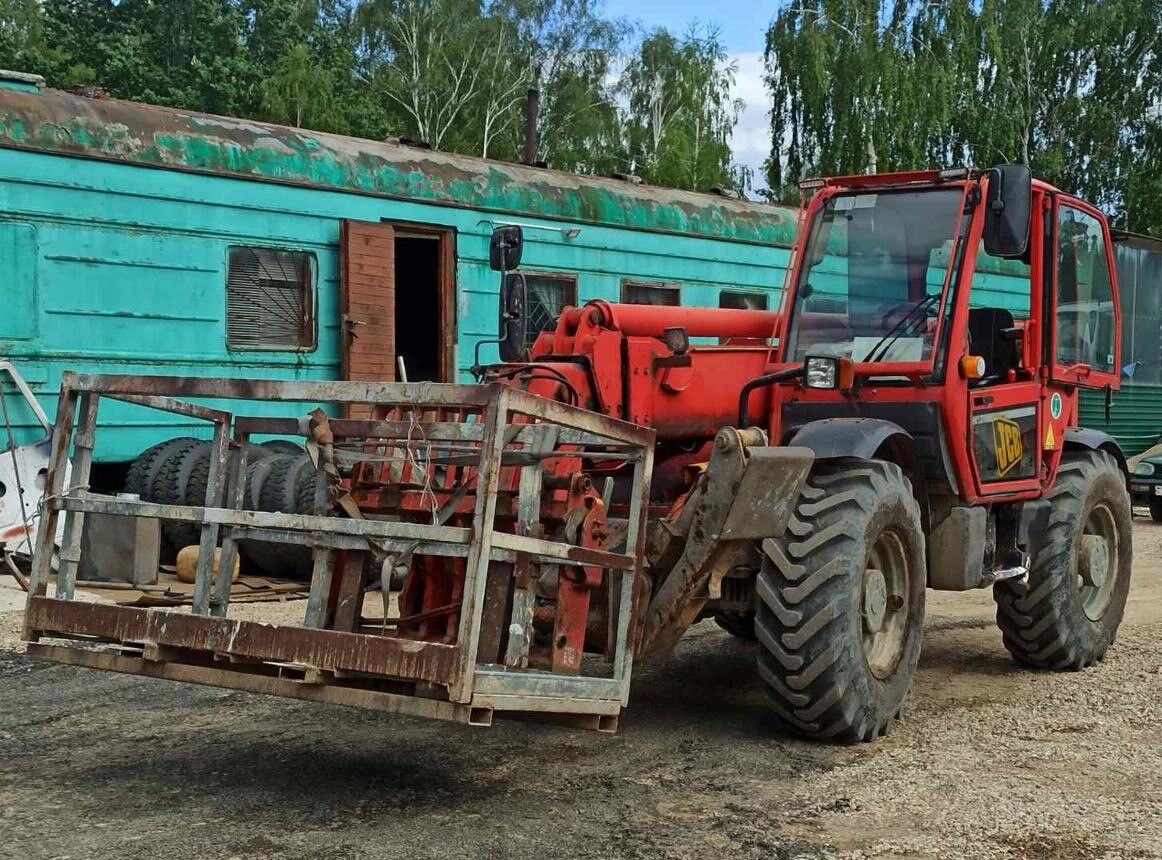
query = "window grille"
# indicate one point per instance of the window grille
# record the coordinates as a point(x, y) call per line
point(270, 299)
point(548, 295)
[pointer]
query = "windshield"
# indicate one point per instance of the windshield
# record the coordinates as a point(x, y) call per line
point(873, 276)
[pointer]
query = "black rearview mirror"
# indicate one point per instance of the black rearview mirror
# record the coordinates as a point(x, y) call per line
point(1008, 210)
point(505, 248)
point(504, 254)
point(514, 320)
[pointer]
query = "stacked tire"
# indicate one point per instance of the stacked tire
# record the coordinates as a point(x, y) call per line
point(279, 478)
point(283, 483)
point(153, 470)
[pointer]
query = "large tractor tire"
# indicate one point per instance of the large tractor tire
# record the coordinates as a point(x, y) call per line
point(841, 603)
point(184, 481)
point(144, 470)
point(193, 482)
point(282, 446)
point(257, 555)
point(1066, 614)
point(155, 482)
point(186, 471)
point(284, 483)
point(286, 487)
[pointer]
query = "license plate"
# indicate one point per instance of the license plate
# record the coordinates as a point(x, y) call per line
point(1158, 489)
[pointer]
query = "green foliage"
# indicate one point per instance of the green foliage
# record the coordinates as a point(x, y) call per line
point(572, 51)
point(681, 113)
point(21, 29)
point(452, 73)
point(300, 92)
point(1071, 87)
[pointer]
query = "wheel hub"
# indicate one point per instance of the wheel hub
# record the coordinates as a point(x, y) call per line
point(883, 601)
point(875, 600)
point(1093, 562)
point(1098, 561)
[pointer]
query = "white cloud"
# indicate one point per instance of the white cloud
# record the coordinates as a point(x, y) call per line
point(751, 142)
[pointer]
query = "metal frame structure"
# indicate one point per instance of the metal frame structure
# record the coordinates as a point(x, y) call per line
point(331, 657)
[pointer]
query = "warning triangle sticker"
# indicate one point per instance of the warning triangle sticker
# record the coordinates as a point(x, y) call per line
point(1050, 440)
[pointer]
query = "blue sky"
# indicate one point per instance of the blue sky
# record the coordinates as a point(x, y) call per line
point(742, 25)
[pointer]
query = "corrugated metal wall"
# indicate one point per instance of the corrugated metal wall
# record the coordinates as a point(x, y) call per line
point(1135, 415)
point(1136, 410)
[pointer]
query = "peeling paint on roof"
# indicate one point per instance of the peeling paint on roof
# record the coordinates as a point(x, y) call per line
point(60, 123)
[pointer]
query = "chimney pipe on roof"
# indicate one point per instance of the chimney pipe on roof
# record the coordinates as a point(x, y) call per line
point(532, 108)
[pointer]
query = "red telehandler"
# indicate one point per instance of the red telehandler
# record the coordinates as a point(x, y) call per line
point(907, 420)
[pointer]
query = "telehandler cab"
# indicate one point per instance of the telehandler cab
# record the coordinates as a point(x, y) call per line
point(902, 422)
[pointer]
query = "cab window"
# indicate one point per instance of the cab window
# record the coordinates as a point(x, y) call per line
point(1085, 307)
point(1000, 283)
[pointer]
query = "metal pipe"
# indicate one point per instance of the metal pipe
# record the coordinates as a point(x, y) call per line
point(653, 320)
point(532, 108)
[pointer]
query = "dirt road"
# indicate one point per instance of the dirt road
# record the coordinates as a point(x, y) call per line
point(991, 761)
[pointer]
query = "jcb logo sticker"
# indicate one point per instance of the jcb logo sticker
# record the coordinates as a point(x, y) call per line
point(1007, 445)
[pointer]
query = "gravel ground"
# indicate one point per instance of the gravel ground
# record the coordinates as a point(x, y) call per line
point(990, 761)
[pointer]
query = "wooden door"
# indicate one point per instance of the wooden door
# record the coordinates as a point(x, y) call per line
point(367, 301)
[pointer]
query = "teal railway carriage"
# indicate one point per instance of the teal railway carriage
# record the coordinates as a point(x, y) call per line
point(148, 240)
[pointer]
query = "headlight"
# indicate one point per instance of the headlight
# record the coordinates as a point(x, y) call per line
point(1144, 468)
point(828, 372)
point(822, 372)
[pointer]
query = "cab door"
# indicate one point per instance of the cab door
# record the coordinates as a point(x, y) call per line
point(1006, 406)
point(1006, 419)
point(1084, 342)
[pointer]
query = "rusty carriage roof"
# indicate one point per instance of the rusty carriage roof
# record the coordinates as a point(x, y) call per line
point(56, 122)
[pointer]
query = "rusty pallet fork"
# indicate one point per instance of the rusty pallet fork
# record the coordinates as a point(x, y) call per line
point(503, 451)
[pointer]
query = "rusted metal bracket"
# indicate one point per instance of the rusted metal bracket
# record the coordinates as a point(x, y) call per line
point(746, 493)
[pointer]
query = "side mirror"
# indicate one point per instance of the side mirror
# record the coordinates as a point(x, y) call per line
point(1008, 210)
point(514, 321)
point(504, 253)
point(505, 248)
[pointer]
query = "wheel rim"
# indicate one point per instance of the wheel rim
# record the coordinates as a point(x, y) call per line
point(1098, 554)
point(884, 604)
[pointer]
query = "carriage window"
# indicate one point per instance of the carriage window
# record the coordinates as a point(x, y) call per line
point(742, 301)
point(643, 293)
point(549, 294)
point(1085, 307)
point(270, 299)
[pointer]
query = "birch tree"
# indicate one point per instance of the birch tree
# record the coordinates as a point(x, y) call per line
point(680, 110)
point(438, 61)
point(574, 52)
point(301, 93)
point(1070, 87)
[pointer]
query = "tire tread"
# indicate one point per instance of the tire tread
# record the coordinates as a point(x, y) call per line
point(803, 592)
point(1041, 621)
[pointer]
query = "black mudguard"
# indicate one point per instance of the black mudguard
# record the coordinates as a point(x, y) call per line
point(1086, 439)
point(854, 437)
